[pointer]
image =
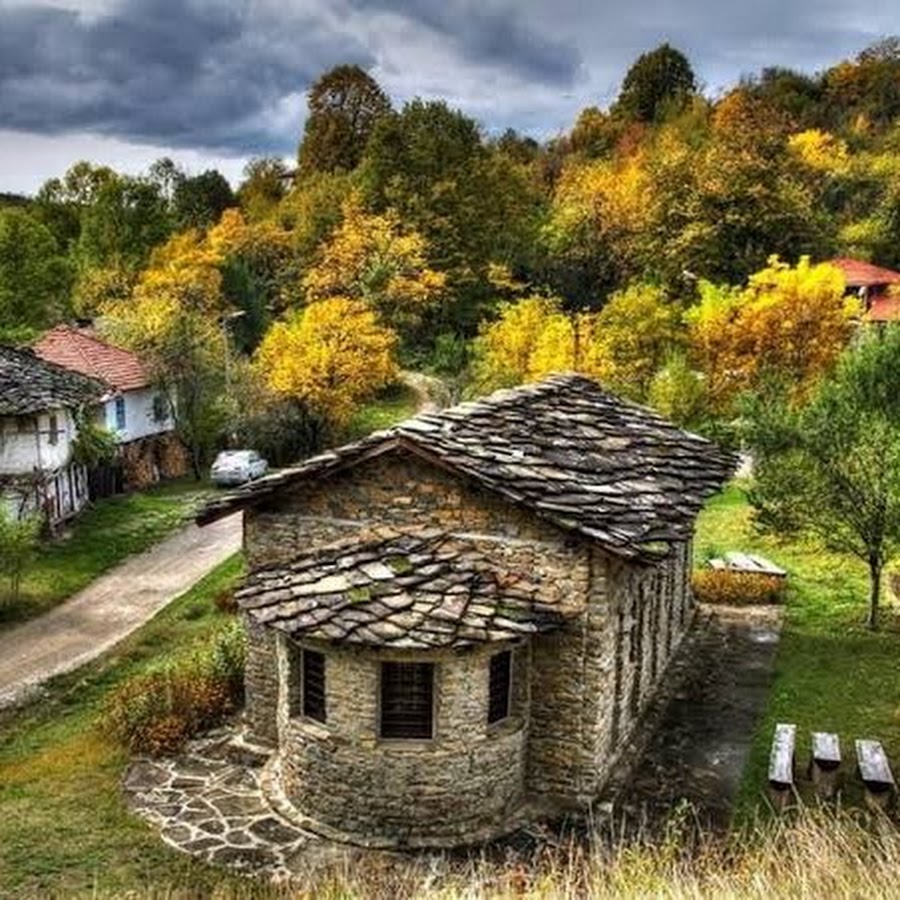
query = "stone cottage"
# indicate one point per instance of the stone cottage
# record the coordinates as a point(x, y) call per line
point(455, 624)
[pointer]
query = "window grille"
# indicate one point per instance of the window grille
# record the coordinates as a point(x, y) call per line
point(407, 700)
point(499, 689)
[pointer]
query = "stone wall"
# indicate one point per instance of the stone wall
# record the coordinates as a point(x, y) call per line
point(468, 780)
point(148, 460)
point(261, 684)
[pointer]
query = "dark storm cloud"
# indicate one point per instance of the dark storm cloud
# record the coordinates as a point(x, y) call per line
point(164, 71)
point(487, 33)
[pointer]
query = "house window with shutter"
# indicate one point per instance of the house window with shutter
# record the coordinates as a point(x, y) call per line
point(120, 413)
point(500, 686)
point(407, 700)
point(53, 431)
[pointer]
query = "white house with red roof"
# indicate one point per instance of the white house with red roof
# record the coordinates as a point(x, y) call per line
point(133, 409)
point(873, 285)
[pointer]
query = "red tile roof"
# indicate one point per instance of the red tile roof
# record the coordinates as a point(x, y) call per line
point(80, 351)
point(883, 308)
point(862, 274)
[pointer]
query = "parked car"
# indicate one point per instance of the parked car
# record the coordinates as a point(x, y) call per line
point(237, 466)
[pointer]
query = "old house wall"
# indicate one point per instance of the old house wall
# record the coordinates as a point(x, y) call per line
point(469, 779)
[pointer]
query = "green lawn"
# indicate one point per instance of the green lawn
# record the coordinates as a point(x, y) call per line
point(392, 405)
point(63, 826)
point(102, 536)
point(832, 674)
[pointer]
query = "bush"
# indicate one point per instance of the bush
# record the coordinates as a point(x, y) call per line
point(158, 711)
point(736, 588)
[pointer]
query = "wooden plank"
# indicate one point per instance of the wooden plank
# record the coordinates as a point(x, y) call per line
point(718, 564)
point(740, 561)
point(781, 759)
point(874, 768)
point(767, 566)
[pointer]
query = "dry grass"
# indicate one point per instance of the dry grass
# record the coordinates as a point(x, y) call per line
point(813, 855)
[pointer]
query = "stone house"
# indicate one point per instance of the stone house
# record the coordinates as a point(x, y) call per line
point(39, 408)
point(877, 288)
point(455, 624)
point(132, 409)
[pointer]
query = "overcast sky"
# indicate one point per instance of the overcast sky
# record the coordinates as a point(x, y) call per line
point(213, 82)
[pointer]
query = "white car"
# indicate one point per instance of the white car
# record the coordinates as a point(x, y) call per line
point(237, 466)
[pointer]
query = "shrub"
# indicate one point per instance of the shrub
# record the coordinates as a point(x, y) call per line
point(18, 547)
point(225, 602)
point(736, 588)
point(156, 712)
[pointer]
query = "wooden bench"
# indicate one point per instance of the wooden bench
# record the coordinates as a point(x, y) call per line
point(781, 764)
point(825, 763)
point(749, 563)
point(875, 772)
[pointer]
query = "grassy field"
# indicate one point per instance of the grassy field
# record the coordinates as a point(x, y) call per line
point(101, 537)
point(63, 828)
point(394, 404)
point(832, 673)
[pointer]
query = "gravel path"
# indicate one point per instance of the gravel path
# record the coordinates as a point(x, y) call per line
point(111, 607)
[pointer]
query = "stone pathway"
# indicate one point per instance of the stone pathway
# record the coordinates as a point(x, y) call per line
point(208, 802)
point(702, 730)
point(111, 607)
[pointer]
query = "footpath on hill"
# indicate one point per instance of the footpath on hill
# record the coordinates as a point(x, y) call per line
point(111, 607)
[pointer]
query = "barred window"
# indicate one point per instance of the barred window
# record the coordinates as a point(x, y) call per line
point(314, 685)
point(499, 688)
point(407, 700)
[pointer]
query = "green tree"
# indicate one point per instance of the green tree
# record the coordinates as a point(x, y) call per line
point(832, 468)
point(34, 276)
point(198, 202)
point(658, 82)
point(18, 546)
point(124, 220)
point(266, 180)
point(344, 106)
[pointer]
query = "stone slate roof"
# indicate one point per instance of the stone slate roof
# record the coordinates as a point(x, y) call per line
point(574, 454)
point(399, 590)
point(82, 351)
point(30, 385)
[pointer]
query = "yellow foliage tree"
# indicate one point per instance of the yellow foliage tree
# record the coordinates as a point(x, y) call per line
point(332, 356)
point(790, 323)
point(531, 338)
point(372, 258)
point(820, 151)
point(630, 338)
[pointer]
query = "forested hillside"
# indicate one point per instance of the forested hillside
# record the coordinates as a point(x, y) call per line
point(624, 248)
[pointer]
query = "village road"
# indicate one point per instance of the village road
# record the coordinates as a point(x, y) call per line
point(111, 607)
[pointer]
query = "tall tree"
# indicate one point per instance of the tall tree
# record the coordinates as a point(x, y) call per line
point(199, 201)
point(266, 180)
point(658, 82)
point(344, 106)
point(832, 468)
point(35, 277)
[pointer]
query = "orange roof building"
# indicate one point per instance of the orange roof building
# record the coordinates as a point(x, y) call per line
point(873, 284)
point(79, 350)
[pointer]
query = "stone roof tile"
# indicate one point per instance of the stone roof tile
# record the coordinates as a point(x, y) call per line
point(573, 453)
point(446, 606)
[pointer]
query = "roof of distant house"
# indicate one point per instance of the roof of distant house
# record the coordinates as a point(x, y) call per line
point(30, 385)
point(81, 351)
point(572, 453)
point(401, 590)
point(863, 274)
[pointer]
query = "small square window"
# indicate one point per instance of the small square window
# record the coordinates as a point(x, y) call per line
point(120, 413)
point(407, 700)
point(53, 431)
point(500, 686)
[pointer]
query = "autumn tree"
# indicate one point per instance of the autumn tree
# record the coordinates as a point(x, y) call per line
point(331, 356)
point(311, 210)
point(373, 258)
point(345, 104)
point(631, 338)
point(266, 181)
point(34, 276)
point(831, 469)
point(789, 323)
point(660, 81)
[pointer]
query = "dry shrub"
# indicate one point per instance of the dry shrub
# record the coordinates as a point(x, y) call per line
point(736, 588)
point(225, 602)
point(158, 711)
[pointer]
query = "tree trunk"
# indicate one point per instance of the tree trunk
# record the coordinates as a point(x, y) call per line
point(875, 567)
